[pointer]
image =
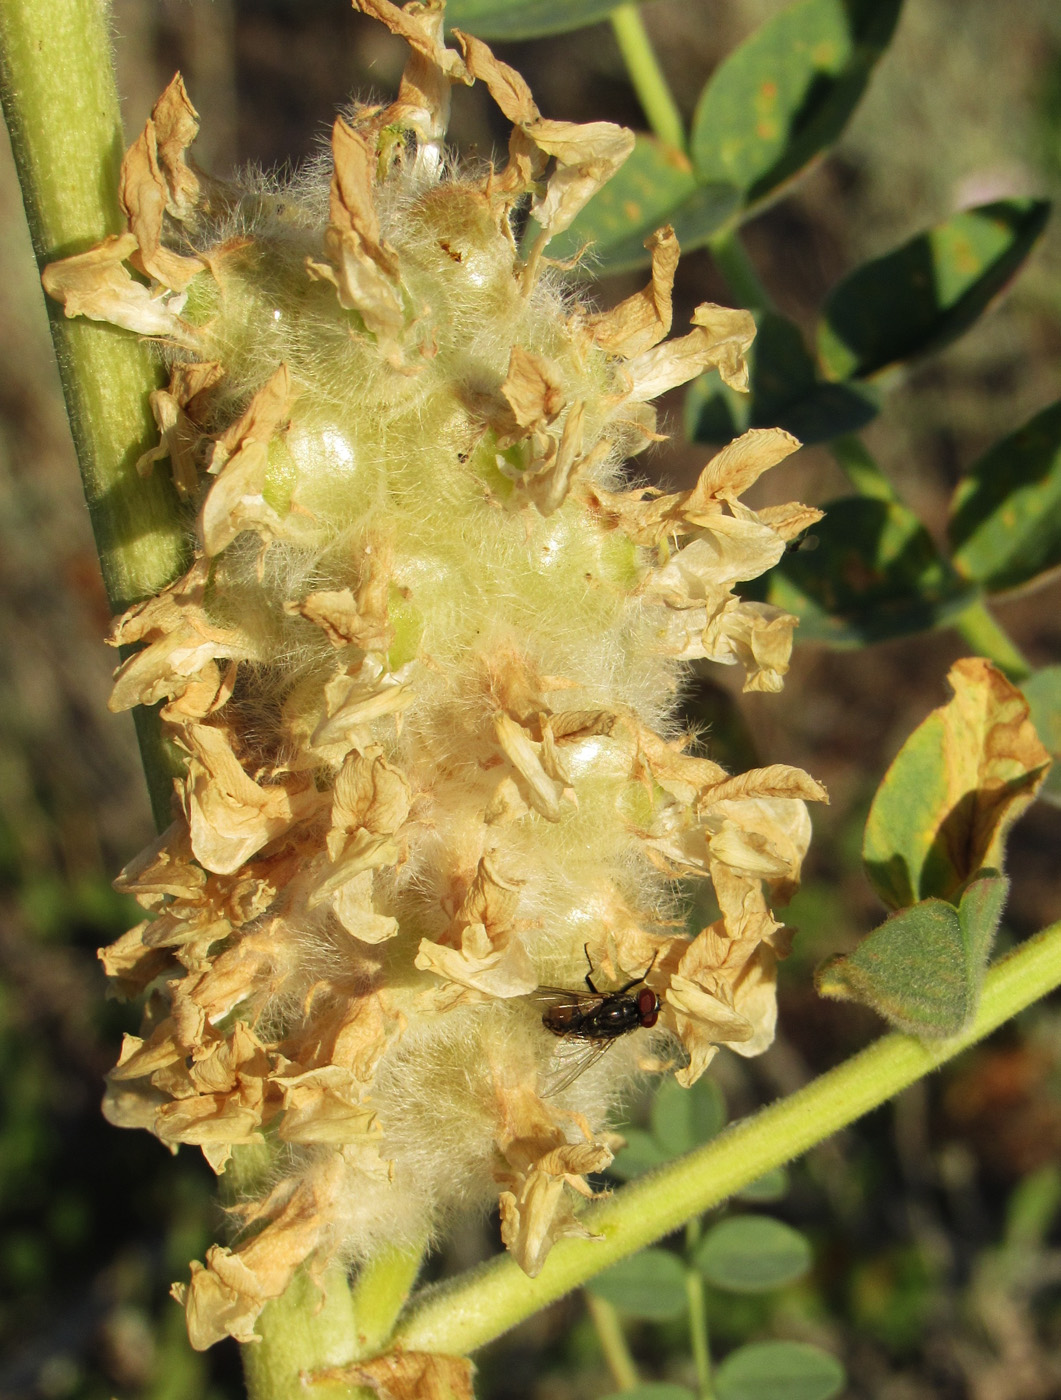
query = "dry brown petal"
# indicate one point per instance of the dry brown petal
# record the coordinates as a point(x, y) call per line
point(183, 642)
point(325, 1105)
point(761, 838)
point(736, 467)
point(790, 520)
point(641, 321)
point(482, 965)
point(354, 699)
point(155, 181)
point(720, 341)
point(777, 780)
point(507, 87)
point(225, 1298)
point(759, 636)
point(533, 393)
point(350, 1031)
point(230, 816)
point(363, 270)
point(408, 1375)
point(369, 794)
point(587, 156)
point(541, 791)
point(180, 439)
point(130, 964)
point(97, 284)
point(163, 868)
point(240, 460)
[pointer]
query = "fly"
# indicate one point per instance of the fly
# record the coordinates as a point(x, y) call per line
point(593, 1020)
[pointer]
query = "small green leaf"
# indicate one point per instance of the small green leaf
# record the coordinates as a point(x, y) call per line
point(942, 812)
point(655, 186)
point(785, 392)
point(875, 574)
point(649, 1285)
point(1005, 523)
point(778, 1371)
point(640, 1154)
point(777, 101)
point(524, 19)
point(752, 1254)
point(684, 1118)
point(927, 292)
point(923, 968)
point(980, 913)
point(771, 1186)
point(1043, 694)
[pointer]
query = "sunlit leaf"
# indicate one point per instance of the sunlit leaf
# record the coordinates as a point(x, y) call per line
point(786, 93)
point(1006, 515)
point(875, 573)
point(649, 1285)
point(653, 187)
point(778, 1371)
point(752, 1254)
point(927, 292)
point(954, 789)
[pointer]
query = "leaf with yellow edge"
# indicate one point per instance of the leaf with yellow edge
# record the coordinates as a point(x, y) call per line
point(954, 789)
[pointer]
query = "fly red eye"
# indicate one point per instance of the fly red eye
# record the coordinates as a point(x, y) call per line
point(647, 1007)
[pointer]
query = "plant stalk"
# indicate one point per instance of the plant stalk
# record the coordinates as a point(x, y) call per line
point(653, 91)
point(466, 1313)
point(61, 107)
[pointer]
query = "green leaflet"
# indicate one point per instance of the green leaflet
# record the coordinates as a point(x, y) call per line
point(1005, 523)
point(927, 292)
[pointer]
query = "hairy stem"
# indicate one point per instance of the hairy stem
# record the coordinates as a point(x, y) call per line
point(462, 1315)
point(61, 108)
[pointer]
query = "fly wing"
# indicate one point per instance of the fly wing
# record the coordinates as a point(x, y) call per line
point(571, 1058)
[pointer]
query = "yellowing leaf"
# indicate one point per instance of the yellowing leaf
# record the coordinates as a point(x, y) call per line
point(953, 791)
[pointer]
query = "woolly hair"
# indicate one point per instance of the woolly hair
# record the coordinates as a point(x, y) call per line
point(424, 669)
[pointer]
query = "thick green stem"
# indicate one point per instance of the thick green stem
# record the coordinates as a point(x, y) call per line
point(612, 1340)
point(987, 638)
point(305, 1331)
point(464, 1314)
point(651, 86)
point(379, 1294)
point(61, 107)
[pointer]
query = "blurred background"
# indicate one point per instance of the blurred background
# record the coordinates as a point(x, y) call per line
point(935, 1221)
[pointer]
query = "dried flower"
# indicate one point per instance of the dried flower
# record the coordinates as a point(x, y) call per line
point(423, 669)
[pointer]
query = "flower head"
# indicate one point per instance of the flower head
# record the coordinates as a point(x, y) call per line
point(422, 670)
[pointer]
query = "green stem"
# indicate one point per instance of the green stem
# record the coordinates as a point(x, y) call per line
point(612, 1342)
point(306, 1330)
point(379, 1294)
point(651, 86)
point(861, 468)
point(987, 638)
point(468, 1312)
point(739, 271)
point(61, 106)
point(698, 1333)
